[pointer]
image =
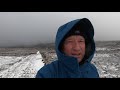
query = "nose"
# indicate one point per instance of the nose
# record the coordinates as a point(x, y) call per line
point(76, 46)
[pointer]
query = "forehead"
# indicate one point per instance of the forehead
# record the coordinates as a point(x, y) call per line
point(75, 37)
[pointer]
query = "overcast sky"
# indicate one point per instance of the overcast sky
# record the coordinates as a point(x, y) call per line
point(30, 28)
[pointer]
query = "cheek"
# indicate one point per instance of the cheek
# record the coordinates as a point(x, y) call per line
point(67, 49)
point(83, 48)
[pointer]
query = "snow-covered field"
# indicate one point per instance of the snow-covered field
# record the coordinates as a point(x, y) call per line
point(20, 67)
point(108, 64)
point(25, 62)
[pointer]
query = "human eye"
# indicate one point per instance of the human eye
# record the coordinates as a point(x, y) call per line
point(81, 40)
point(69, 41)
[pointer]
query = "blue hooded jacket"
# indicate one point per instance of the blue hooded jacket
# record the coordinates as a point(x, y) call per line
point(66, 66)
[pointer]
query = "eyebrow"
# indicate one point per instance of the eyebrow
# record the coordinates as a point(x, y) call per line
point(72, 38)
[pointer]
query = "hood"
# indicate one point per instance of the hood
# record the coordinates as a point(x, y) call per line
point(87, 28)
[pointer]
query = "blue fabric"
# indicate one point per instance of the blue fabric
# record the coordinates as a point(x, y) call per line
point(66, 66)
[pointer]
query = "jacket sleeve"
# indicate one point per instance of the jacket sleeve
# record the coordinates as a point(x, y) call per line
point(95, 70)
point(39, 75)
point(44, 72)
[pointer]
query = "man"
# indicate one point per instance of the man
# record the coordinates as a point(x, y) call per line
point(75, 49)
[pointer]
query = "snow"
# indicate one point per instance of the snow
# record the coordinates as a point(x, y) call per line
point(101, 49)
point(107, 63)
point(25, 62)
point(101, 55)
point(20, 67)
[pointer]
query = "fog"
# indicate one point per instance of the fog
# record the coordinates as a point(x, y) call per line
point(32, 28)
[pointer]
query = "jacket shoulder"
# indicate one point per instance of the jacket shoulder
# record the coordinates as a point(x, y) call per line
point(94, 70)
point(48, 71)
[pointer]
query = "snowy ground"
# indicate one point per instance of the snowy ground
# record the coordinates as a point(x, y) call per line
point(20, 67)
point(25, 62)
point(108, 64)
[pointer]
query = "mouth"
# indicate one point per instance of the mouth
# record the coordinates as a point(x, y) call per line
point(76, 55)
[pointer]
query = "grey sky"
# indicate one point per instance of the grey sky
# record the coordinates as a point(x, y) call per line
point(29, 28)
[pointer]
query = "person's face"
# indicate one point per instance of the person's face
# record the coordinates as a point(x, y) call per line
point(75, 46)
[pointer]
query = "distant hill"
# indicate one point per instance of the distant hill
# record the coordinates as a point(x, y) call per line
point(45, 45)
point(107, 43)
